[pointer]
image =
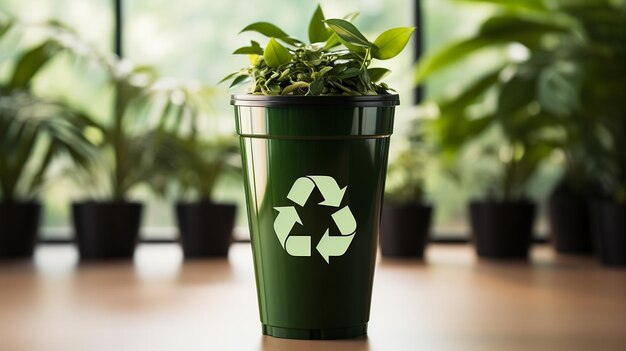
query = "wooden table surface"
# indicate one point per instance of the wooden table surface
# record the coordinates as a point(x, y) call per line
point(453, 301)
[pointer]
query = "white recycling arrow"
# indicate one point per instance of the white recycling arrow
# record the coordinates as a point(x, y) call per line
point(330, 190)
point(338, 245)
point(301, 190)
point(284, 222)
point(298, 245)
point(288, 216)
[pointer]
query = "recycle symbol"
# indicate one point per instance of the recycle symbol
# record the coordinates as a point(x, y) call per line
point(335, 245)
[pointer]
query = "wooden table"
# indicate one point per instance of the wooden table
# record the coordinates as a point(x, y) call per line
point(451, 302)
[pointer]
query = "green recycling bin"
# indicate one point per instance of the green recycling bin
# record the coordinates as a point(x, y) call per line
point(314, 171)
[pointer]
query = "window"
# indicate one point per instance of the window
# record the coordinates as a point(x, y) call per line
point(192, 39)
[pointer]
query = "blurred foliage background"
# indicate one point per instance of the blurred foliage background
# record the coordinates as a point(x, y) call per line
point(193, 40)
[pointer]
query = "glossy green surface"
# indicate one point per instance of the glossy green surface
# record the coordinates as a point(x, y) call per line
point(306, 296)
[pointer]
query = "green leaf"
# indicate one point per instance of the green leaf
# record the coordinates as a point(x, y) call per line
point(454, 131)
point(516, 93)
point(559, 87)
point(265, 28)
point(366, 80)
point(239, 80)
point(56, 24)
point(332, 41)
point(253, 49)
point(346, 89)
point(495, 32)
point(448, 56)
point(376, 74)
point(295, 86)
point(248, 50)
point(284, 74)
point(511, 28)
point(349, 73)
point(27, 137)
point(30, 63)
point(291, 41)
point(325, 70)
point(316, 87)
point(512, 5)
point(33, 138)
point(348, 33)
point(271, 31)
point(5, 27)
point(471, 93)
point(312, 58)
point(338, 68)
point(391, 42)
point(275, 54)
point(317, 30)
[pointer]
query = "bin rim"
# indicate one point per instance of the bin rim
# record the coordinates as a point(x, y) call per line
point(252, 100)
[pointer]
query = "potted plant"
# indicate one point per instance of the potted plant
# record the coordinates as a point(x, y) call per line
point(576, 50)
point(580, 80)
point(190, 167)
point(568, 205)
point(205, 225)
point(106, 225)
point(34, 133)
point(104, 228)
point(406, 216)
point(502, 224)
point(598, 55)
point(558, 90)
point(314, 133)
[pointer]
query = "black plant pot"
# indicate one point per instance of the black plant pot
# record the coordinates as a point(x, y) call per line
point(404, 229)
point(502, 229)
point(570, 226)
point(19, 224)
point(609, 232)
point(205, 228)
point(106, 230)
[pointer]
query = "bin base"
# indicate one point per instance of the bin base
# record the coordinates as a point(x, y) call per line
point(315, 334)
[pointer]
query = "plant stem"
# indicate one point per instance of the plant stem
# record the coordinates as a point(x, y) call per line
point(118, 145)
point(509, 176)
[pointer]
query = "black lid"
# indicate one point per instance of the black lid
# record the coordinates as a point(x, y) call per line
point(314, 101)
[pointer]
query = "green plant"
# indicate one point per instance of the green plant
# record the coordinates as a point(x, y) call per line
point(510, 101)
point(406, 172)
point(573, 77)
point(193, 167)
point(187, 164)
point(132, 140)
point(601, 97)
point(33, 132)
point(126, 139)
point(335, 62)
point(579, 81)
